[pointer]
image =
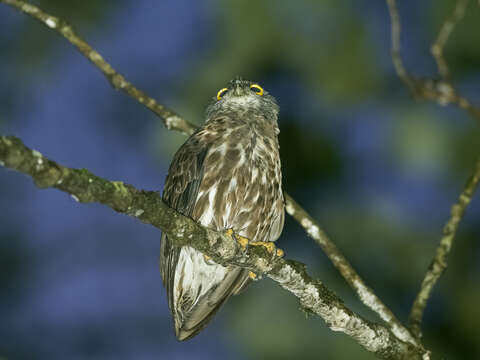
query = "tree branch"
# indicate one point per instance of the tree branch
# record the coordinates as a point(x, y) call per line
point(175, 122)
point(443, 35)
point(170, 118)
point(366, 295)
point(149, 208)
point(441, 91)
point(439, 262)
point(396, 47)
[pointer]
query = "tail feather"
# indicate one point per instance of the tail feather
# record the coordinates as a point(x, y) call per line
point(191, 320)
point(196, 289)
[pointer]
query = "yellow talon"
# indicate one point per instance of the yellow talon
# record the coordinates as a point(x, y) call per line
point(243, 241)
point(270, 246)
point(252, 275)
point(206, 257)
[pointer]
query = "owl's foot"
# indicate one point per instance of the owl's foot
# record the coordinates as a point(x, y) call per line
point(242, 241)
point(270, 246)
point(208, 260)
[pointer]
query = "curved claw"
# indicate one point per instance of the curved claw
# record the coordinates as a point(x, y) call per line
point(244, 242)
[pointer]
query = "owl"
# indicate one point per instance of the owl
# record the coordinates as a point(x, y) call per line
point(227, 177)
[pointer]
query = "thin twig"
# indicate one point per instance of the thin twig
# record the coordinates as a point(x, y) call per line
point(366, 294)
point(442, 92)
point(443, 35)
point(170, 118)
point(148, 207)
point(396, 47)
point(439, 262)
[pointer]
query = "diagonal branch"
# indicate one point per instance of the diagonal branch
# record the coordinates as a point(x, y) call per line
point(149, 208)
point(441, 91)
point(396, 47)
point(366, 295)
point(443, 35)
point(170, 118)
point(439, 262)
point(174, 122)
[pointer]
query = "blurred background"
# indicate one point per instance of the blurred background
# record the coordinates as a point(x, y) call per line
point(377, 169)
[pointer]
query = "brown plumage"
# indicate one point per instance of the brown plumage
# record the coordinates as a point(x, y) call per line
point(227, 175)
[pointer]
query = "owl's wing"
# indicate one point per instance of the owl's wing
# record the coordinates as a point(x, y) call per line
point(181, 189)
point(180, 192)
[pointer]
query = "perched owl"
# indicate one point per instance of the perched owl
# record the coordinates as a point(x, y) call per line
point(227, 175)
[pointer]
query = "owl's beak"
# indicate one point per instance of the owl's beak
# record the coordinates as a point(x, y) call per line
point(237, 90)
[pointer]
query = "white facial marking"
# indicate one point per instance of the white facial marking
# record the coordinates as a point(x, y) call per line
point(243, 101)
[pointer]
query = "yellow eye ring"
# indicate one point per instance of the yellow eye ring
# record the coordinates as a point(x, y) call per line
point(221, 93)
point(257, 89)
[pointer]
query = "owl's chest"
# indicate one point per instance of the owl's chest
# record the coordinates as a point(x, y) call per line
point(241, 183)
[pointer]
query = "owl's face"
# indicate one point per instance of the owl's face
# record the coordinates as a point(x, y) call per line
point(242, 96)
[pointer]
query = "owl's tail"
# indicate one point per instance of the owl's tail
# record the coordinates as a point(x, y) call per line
point(197, 288)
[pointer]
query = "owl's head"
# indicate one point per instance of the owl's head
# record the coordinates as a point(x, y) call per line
point(243, 97)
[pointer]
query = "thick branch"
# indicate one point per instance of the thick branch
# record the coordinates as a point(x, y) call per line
point(442, 91)
point(439, 262)
point(149, 208)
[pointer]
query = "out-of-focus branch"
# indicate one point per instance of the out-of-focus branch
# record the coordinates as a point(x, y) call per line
point(366, 295)
point(175, 122)
point(443, 35)
point(439, 262)
point(149, 208)
point(170, 118)
point(396, 47)
point(441, 91)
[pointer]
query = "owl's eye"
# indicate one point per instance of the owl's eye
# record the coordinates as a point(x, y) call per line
point(221, 93)
point(257, 89)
